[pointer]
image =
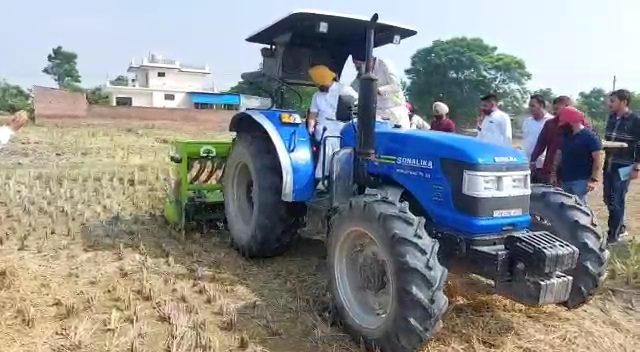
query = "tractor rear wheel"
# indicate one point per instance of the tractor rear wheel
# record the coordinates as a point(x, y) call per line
point(386, 282)
point(566, 217)
point(260, 223)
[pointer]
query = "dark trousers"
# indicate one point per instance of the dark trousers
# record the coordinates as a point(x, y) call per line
point(614, 192)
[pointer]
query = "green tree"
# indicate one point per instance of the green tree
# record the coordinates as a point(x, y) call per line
point(97, 96)
point(63, 68)
point(593, 103)
point(13, 98)
point(291, 99)
point(120, 81)
point(405, 87)
point(635, 102)
point(460, 70)
point(547, 93)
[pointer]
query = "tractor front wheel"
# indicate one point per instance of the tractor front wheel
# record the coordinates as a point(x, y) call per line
point(386, 282)
point(566, 217)
point(260, 223)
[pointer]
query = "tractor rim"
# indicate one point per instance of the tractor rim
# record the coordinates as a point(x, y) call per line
point(243, 193)
point(361, 271)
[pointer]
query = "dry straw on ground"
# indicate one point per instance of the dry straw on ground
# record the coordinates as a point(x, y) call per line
point(87, 264)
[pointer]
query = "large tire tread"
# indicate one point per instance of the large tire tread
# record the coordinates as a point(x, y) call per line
point(277, 222)
point(575, 223)
point(419, 277)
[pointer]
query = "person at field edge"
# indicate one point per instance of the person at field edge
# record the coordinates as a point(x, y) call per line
point(391, 105)
point(417, 122)
point(549, 141)
point(441, 121)
point(623, 125)
point(531, 128)
point(579, 155)
point(321, 122)
point(495, 127)
point(16, 122)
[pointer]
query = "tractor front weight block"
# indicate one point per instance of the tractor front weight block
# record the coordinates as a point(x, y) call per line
point(195, 193)
point(525, 267)
point(536, 263)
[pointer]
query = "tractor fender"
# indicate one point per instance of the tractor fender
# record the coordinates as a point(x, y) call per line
point(293, 146)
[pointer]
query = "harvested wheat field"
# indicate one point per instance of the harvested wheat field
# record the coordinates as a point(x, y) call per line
point(88, 264)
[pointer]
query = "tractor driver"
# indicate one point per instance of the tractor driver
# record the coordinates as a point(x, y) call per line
point(321, 122)
point(391, 100)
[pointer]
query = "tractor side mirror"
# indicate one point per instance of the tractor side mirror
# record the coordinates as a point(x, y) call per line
point(347, 108)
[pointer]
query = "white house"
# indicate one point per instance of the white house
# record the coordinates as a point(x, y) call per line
point(167, 83)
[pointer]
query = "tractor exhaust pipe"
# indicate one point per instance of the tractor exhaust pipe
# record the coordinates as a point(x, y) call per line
point(367, 102)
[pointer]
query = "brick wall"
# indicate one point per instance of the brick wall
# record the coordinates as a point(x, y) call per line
point(58, 103)
point(53, 104)
point(217, 120)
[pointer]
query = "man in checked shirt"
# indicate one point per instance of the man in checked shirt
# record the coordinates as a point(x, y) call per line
point(622, 126)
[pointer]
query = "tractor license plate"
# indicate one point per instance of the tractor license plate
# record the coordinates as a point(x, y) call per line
point(506, 212)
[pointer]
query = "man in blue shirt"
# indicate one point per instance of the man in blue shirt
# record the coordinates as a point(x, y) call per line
point(579, 157)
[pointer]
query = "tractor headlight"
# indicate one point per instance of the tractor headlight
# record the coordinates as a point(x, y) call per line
point(496, 184)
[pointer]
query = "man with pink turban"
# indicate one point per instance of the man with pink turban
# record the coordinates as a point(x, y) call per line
point(579, 156)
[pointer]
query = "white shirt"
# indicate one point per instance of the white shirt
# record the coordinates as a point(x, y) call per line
point(496, 129)
point(419, 123)
point(530, 131)
point(389, 86)
point(325, 104)
point(5, 135)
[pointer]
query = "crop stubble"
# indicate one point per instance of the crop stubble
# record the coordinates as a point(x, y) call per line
point(87, 264)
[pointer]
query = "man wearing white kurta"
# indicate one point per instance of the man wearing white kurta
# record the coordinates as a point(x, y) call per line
point(391, 104)
point(16, 122)
point(532, 126)
point(496, 124)
point(322, 121)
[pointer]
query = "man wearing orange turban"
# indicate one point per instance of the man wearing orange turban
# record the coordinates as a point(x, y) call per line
point(321, 121)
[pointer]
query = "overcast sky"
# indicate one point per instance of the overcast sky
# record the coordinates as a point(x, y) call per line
point(568, 45)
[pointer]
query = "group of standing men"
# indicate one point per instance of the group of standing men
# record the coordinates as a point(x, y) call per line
point(562, 148)
point(564, 151)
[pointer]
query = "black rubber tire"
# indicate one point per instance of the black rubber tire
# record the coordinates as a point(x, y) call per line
point(573, 221)
point(273, 222)
point(419, 300)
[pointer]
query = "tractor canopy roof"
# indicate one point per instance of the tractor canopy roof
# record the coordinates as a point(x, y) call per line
point(323, 29)
point(306, 38)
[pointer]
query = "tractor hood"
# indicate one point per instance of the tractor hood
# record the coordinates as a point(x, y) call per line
point(397, 142)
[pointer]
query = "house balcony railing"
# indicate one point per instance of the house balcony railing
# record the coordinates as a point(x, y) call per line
point(169, 63)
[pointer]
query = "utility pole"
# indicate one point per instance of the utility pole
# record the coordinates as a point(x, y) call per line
point(614, 82)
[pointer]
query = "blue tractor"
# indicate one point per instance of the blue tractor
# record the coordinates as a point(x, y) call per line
point(403, 207)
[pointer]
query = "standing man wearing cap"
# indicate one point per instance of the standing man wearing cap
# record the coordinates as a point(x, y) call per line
point(441, 121)
point(496, 124)
point(579, 156)
point(549, 141)
point(16, 122)
point(321, 121)
point(391, 104)
point(622, 126)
